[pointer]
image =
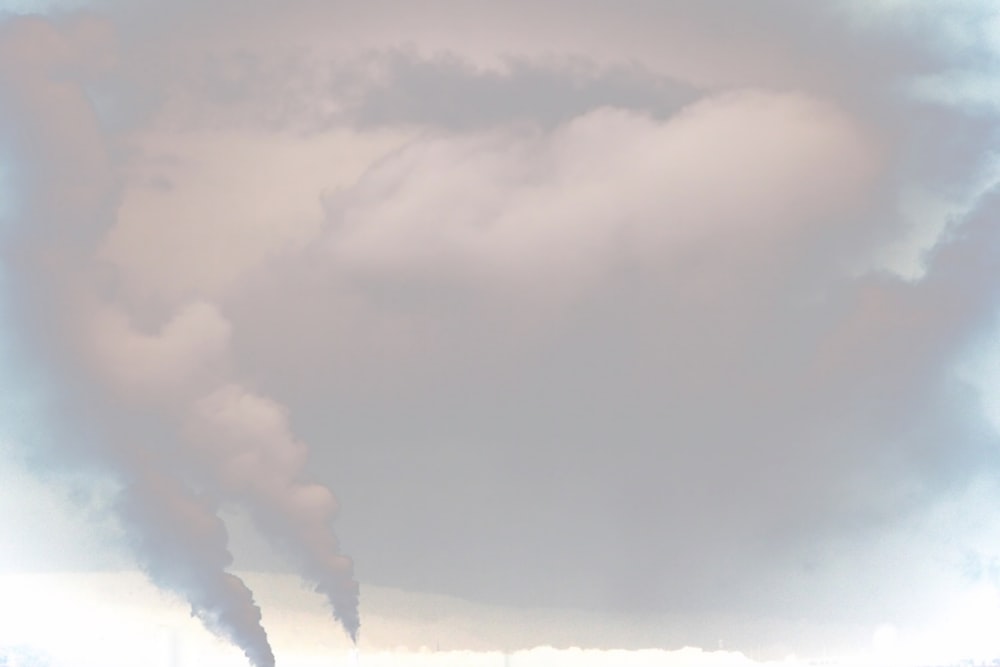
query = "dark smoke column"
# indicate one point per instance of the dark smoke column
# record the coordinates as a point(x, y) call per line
point(51, 232)
point(181, 543)
point(246, 440)
point(127, 386)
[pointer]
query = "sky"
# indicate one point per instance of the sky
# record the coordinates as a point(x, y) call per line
point(648, 309)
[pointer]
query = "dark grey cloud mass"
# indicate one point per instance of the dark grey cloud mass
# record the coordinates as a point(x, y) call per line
point(444, 90)
point(440, 91)
point(668, 307)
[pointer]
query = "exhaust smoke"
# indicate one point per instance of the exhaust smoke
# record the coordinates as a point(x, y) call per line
point(166, 414)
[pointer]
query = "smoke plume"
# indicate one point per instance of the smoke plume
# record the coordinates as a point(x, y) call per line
point(157, 406)
point(687, 302)
point(181, 543)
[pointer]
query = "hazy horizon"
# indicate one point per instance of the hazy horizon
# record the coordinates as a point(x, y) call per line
point(116, 618)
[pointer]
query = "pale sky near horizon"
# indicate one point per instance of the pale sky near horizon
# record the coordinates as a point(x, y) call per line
point(647, 307)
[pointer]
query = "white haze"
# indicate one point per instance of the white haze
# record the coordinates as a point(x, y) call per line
point(119, 619)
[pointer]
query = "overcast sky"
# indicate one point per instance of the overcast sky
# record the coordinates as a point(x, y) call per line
point(652, 307)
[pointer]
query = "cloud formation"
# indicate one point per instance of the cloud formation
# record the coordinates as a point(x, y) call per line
point(670, 309)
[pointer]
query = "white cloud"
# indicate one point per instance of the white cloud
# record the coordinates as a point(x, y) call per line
point(558, 211)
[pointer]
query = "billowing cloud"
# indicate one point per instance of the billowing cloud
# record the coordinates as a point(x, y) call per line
point(674, 309)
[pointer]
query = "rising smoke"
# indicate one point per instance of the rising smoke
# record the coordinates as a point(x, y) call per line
point(181, 543)
point(701, 314)
point(162, 410)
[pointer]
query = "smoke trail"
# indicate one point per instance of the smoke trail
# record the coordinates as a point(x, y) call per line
point(215, 440)
point(62, 160)
point(246, 438)
point(235, 442)
point(182, 544)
